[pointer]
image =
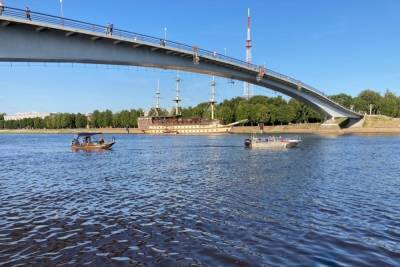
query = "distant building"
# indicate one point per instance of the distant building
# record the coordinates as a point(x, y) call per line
point(26, 115)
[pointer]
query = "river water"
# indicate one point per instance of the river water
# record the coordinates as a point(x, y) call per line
point(198, 200)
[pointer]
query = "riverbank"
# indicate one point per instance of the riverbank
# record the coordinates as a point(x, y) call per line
point(315, 130)
point(373, 124)
point(369, 125)
point(292, 129)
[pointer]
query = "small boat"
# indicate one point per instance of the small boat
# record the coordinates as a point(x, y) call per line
point(85, 141)
point(168, 131)
point(271, 142)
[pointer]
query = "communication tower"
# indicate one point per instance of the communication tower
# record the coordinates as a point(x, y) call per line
point(248, 90)
point(158, 99)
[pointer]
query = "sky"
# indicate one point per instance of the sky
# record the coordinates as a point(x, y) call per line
point(335, 46)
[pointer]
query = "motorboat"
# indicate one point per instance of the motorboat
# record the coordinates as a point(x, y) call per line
point(91, 141)
point(271, 142)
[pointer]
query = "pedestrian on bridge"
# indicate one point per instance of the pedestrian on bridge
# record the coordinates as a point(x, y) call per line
point(110, 28)
point(28, 13)
point(162, 42)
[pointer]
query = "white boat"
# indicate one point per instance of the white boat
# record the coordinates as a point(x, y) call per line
point(271, 142)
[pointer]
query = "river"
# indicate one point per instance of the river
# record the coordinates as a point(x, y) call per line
point(182, 200)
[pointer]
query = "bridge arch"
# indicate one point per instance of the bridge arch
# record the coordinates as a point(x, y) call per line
point(37, 37)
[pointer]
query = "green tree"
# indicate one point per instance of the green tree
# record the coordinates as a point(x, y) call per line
point(38, 123)
point(262, 113)
point(343, 99)
point(390, 104)
point(258, 99)
point(366, 98)
point(226, 114)
point(95, 121)
point(161, 112)
point(134, 115)
point(245, 111)
point(80, 121)
point(107, 118)
point(285, 114)
point(303, 113)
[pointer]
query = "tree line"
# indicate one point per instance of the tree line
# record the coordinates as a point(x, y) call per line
point(370, 101)
point(277, 110)
point(258, 109)
point(56, 121)
point(98, 119)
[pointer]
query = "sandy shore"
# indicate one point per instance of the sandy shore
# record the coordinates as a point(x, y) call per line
point(317, 129)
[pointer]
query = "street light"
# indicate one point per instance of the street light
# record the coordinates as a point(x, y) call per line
point(61, 8)
point(165, 33)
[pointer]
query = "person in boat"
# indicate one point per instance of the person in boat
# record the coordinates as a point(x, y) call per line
point(75, 142)
point(87, 140)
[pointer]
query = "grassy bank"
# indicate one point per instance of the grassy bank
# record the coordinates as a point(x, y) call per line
point(374, 124)
point(380, 121)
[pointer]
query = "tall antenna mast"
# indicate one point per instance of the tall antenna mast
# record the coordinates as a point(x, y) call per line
point(177, 97)
point(212, 97)
point(247, 92)
point(158, 99)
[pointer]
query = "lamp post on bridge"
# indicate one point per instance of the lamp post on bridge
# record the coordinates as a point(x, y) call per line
point(62, 12)
point(61, 9)
point(163, 42)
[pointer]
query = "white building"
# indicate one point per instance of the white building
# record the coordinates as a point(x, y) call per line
point(26, 115)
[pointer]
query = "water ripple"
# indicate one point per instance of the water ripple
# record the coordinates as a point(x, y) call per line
point(200, 201)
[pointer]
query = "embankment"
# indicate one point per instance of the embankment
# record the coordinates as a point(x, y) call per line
point(374, 124)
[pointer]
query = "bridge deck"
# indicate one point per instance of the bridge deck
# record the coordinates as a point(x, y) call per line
point(43, 22)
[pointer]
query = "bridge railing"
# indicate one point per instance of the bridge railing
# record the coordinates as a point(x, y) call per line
point(106, 31)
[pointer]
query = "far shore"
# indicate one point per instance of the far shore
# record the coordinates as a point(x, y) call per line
point(314, 128)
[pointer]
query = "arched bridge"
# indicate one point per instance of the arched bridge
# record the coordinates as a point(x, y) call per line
point(27, 36)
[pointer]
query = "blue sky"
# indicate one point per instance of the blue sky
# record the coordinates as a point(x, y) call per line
point(336, 46)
